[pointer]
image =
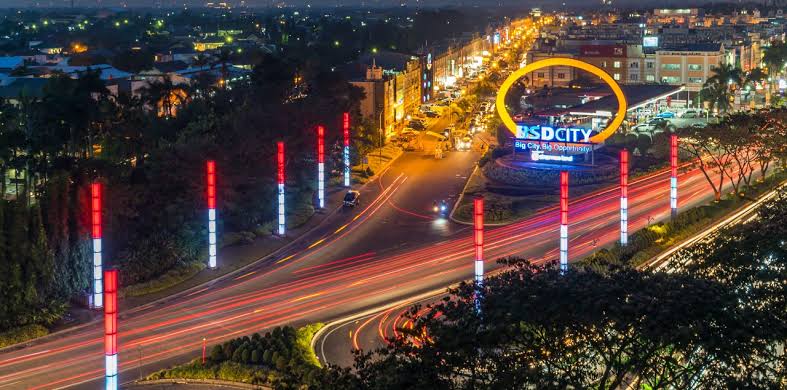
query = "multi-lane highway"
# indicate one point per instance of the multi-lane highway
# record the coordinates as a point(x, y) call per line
point(390, 249)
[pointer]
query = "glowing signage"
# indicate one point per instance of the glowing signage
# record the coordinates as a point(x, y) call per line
point(620, 115)
point(560, 134)
point(650, 41)
point(538, 155)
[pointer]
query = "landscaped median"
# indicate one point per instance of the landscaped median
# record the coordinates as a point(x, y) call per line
point(647, 243)
point(279, 357)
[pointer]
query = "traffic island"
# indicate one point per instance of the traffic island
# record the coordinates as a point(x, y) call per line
point(514, 189)
point(280, 358)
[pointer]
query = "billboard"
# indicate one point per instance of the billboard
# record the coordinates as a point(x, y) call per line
point(602, 50)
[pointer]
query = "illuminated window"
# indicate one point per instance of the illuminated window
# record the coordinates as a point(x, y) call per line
point(670, 79)
point(650, 77)
point(616, 76)
point(616, 64)
point(695, 67)
point(670, 66)
point(695, 80)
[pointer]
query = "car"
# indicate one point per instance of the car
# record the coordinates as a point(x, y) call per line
point(691, 114)
point(666, 114)
point(352, 198)
point(416, 125)
point(431, 114)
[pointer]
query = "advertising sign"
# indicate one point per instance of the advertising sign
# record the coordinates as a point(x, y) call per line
point(546, 143)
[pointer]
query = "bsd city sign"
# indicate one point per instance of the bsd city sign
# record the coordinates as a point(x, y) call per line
point(547, 143)
point(557, 61)
point(560, 134)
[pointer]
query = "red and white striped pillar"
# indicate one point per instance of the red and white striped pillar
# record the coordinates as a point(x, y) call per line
point(563, 221)
point(321, 166)
point(111, 328)
point(211, 192)
point(673, 186)
point(280, 181)
point(96, 232)
point(624, 194)
point(478, 244)
point(346, 149)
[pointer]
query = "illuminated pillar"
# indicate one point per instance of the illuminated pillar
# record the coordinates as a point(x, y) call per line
point(563, 221)
point(280, 180)
point(111, 329)
point(673, 181)
point(211, 186)
point(478, 243)
point(321, 165)
point(346, 149)
point(624, 194)
point(95, 231)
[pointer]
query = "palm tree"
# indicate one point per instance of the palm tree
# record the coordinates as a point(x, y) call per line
point(754, 77)
point(775, 57)
point(717, 89)
point(164, 96)
point(223, 58)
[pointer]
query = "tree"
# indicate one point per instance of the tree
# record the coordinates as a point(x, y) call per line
point(775, 57)
point(540, 328)
point(718, 87)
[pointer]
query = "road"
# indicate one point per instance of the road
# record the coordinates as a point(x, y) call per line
point(390, 249)
point(321, 278)
point(593, 223)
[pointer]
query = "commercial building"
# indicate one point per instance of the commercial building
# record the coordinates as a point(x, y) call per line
point(622, 62)
point(689, 65)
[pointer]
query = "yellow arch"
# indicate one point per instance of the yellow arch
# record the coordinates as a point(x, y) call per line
point(559, 61)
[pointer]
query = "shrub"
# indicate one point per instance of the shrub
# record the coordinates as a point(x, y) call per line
point(22, 334)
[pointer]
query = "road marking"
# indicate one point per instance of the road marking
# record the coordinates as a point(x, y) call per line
point(305, 297)
point(285, 259)
point(245, 275)
point(318, 242)
point(341, 228)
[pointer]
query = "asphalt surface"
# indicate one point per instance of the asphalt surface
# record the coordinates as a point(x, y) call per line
point(593, 223)
point(340, 268)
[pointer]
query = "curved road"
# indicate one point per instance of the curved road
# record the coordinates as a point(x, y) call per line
point(390, 249)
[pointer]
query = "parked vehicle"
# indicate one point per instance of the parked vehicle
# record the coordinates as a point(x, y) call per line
point(666, 114)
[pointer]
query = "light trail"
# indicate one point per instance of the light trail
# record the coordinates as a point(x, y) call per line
point(265, 298)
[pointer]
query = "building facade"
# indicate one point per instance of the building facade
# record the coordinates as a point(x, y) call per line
point(690, 65)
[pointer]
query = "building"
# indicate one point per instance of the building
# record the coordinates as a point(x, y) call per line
point(691, 16)
point(622, 62)
point(392, 82)
point(690, 65)
point(553, 76)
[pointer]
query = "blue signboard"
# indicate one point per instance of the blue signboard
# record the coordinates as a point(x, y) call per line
point(546, 143)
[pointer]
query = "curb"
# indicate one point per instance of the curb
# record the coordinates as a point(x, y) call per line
point(655, 262)
point(208, 382)
point(179, 294)
point(459, 200)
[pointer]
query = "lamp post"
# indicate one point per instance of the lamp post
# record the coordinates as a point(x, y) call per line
point(280, 181)
point(478, 244)
point(673, 197)
point(111, 329)
point(624, 190)
point(563, 221)
point(321, 166)
point(346, 148)
point(96, 234)
point(211, 192)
